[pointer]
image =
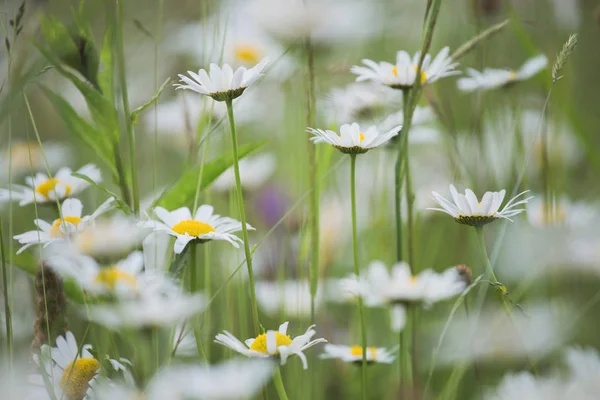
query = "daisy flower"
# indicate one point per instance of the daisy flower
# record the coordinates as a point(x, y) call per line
point(352, 139)
point(66, 226)
point(525, 386)
point(44, 189)
point(399, 288)
point(272, 344)
point(491, 78)
point(403, 74)
point(353, 354)
point(70, 372)
point(467, 210)
point(203, 226)
point(223, 83)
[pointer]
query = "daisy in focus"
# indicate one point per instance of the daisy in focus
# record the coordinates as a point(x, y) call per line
point(61, 228)
point(272, 344)
point(45, 189)
point(468, 210)
point(202, 227)
point(352, 139)
point(403, 74)
point(353, 354)
point(223, 83)
point(400, 289)
point(491, 78)
point(70, 372)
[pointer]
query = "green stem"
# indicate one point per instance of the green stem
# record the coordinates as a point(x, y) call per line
point(399, 176)
point(361, 311)
point(406, 378)
point(7, 315)
point(314, 203)
point(126, 110)
point(240, 199)
point(484, 254)
point(278, 381)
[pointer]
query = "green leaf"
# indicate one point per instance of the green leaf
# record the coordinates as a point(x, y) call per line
point(135, 113)
point(184, 190)
point(106, 75)
point(121, 205)
point(82, 129)
point(179, 262)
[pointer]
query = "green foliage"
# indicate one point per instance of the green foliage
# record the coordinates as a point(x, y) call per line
point(183, 191)
point(121, 205)
point(82, 129)
point(136, 113)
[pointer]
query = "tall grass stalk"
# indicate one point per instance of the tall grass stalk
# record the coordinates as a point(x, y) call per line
point(240, 199)
point(361, 308)
point(278, 381)
point(126, 109)
point(5, 292)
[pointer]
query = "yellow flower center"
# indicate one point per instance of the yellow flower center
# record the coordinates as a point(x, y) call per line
point(110, 276)
point(423, 74)
point(357, 351)
point(55, 231)
point(77, 376)
point(247, 53)
point(395, 71)
point(413, 280)
point(260, 343)
point(512, 76)
point(48, 185)
point(361, 137)
point(192, 228)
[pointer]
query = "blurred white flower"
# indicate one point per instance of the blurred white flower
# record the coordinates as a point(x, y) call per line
point(44, 189)
point(561, 212)
point(223, 83)
point(403, 73)
point(124, 279)
point(242, 44)
point(272, 344)
point(399, 288)
point(203, 226)
point(531, 333)
point(71, 373)
point(419, 133)
point(359, 102)
point(206, 382)
point(324, 21)
point(108, 238)
point(468, 210)
point(254, 172)
point(64, 227)
point(23, 157)
point(152, 308)
point(292, 298)
point(351, 139)
point(584, 369)
point(212, 382)
point(494, 78)
point(525, 386)
point(353, 354)
point(492, 154)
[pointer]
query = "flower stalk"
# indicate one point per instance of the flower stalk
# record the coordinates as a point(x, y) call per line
point(361, 309)
point(7, 314)
point(278, 381)
point(240, 199)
